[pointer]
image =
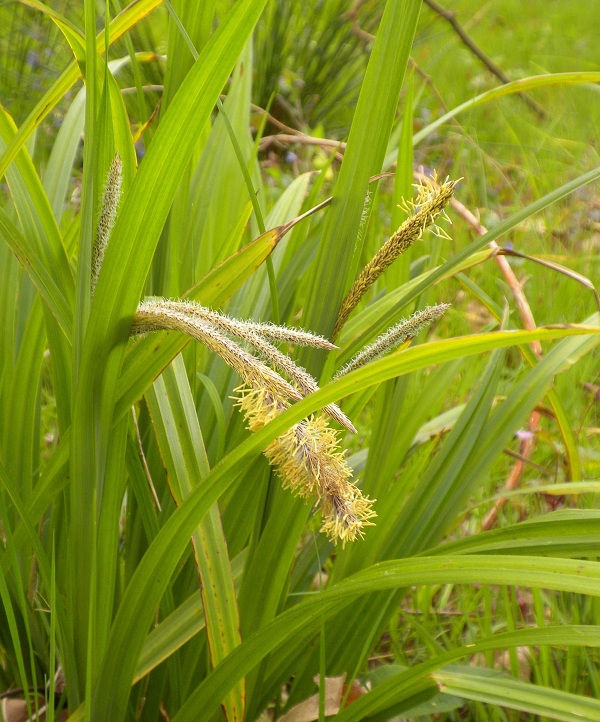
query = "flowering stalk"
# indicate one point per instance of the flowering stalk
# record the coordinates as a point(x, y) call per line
point(393, 337)
point(309, 462)
point(108, 215)
point(239, 328)
point(307, 455)
point(153, 317)
point(182, 315)
point(423, 213)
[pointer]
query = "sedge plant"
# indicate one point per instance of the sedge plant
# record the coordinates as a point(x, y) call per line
point(169, 563)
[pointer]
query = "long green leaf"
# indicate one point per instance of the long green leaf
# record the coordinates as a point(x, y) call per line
point(120, 285)
point(564, 574)
point(182, 448)
point(517, 86)
point(495, 688)
point(383, 700)
point(572, 532)
point(338, 253)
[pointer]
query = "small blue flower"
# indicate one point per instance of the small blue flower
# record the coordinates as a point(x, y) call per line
point(32, 59)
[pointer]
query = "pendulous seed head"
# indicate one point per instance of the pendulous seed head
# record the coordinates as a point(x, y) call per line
point(309, 461)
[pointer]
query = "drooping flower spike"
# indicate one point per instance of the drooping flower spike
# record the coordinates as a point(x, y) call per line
point(308, 460)
point(307, 456)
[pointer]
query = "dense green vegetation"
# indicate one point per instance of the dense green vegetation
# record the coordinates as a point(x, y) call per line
point(257, 158)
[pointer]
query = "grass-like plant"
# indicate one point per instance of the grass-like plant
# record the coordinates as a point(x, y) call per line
point(160, 559)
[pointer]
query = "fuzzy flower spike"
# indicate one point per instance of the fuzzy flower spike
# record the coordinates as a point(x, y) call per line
point(108, 215)
point(308, 460)
point(423, 213)
point(307, 456)
point(406, 329)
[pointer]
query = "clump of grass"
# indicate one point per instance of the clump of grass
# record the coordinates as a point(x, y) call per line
point(107, 565)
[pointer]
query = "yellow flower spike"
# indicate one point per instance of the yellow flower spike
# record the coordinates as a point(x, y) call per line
point(308, 460)
point(429, 205)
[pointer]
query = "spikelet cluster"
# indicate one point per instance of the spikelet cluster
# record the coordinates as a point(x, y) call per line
point(403, 331)
point(307, 456)
point(213, 330)
point(423, 214)
point(308, 460)
point(108, 215)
